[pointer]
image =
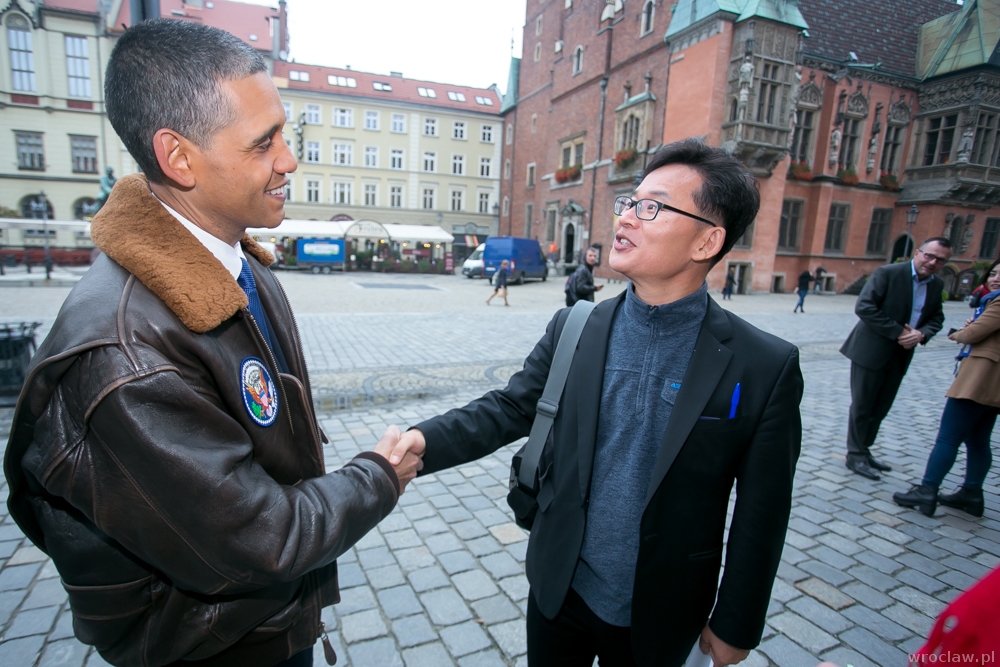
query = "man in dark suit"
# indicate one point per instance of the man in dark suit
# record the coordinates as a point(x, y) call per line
point(899, 308)
point(670, 400)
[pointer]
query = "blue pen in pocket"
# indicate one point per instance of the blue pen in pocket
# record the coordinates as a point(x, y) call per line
point(734, 402)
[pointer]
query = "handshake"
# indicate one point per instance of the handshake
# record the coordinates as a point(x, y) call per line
point(404, 451)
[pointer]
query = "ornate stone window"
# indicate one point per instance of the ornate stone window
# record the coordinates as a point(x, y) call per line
point(939, 139)
point(577, 60)
point(853, 125)
point(22, 58)
point(983, 147)
point(895, 133)
point(630, 133)
point(648, 11)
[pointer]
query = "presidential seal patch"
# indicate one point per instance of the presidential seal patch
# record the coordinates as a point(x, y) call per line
point(259, 394)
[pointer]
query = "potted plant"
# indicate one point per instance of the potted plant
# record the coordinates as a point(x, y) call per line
point(848, 176)
point(800, 171)
point(567, 174)
point(625, 157)
point(889, 182)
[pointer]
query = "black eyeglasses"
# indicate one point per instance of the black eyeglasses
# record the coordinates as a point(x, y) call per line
point(648, 209)
point(933, 258)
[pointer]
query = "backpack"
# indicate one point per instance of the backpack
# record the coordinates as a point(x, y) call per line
point(570, 289)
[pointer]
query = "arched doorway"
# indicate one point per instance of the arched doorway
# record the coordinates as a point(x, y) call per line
point(950, 278)
point(31, 208)
point(569, 243)
point(84, 208)
point(902, 248)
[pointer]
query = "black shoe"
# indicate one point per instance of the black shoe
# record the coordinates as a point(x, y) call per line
point(922, 498)
point(861, 467)
point(968, 500)
point(878, 465)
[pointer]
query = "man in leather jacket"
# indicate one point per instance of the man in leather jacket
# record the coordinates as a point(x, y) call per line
point(165, 451)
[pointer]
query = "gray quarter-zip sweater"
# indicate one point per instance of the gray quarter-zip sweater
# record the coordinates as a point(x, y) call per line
point(648, 353)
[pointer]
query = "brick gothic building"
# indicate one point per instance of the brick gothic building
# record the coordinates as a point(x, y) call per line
point(849, 115)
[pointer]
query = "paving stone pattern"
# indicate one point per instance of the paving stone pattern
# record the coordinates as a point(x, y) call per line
point(441, 580)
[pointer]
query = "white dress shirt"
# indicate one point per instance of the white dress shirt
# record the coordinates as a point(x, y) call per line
point(919, 295)
point(231, 256)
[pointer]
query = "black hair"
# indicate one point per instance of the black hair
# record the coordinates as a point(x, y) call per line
point(729, 191)
point(165, 73)
point(986, 273)
point(940, 240)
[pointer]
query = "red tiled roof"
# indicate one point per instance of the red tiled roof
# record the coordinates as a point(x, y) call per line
point(874, 31)
point(83, 6)
point(403, 90)
point(238, 18)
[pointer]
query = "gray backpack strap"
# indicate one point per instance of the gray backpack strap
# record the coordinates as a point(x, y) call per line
point(548, 404)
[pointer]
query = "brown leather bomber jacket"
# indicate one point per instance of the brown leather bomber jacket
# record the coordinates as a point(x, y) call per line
point(184, 524)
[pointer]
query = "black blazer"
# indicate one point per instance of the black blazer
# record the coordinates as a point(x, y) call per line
point(703, 452)
point(884, 306)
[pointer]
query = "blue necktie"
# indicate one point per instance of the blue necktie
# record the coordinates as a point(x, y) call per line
point(247, 283)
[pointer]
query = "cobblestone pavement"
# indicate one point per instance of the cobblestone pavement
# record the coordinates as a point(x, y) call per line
point(441, 581)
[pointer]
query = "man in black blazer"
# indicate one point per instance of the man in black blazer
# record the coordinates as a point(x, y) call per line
point(670, 400)
point(899, 308)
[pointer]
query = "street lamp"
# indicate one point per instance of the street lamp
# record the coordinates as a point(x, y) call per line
point(41, 204)
point(911, 219)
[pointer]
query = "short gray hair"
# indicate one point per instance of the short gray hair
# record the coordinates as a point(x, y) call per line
point(165, 73)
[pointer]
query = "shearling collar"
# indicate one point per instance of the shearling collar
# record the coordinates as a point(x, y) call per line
point(134, 230)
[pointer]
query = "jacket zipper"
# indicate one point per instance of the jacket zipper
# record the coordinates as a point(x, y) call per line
point(307, 385)
point(274, 363)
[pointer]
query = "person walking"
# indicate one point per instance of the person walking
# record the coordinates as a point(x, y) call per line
point(804, 279)
point(580, 285)
point(970, 412)
point(500, 283)
point(727, 291)
point(899, 308)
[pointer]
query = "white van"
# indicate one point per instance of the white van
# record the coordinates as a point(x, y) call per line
point(473, 266)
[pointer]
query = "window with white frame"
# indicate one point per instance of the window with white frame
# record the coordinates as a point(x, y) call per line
point(77, 66)
point(298, 75)
point(288, 190)
point(430, 161)
point(458, 165)
point(312, 151)
point(398, 123)
point(457, 200)
point(84, 152)
point(577, 60)
point(396, 196)
point(426, 92)
point(430, 127)
point(396, 158)
point(343, 154)
point(458, 130)
point(371, 120)
point(455, 96)
point(22, 57)
point(529, 215)
point(530, 176)
point(647, 17)
point(312, 192)
point(312, 114)
point(538, 51)
point(343, 117)
point(288, 110)
point(506, 169)
point(509, 139)
point(371, 156)
point(485, 167)
point(371, 194)
point(484, 202)
point(534, 123)
point(342, 81)
point(428, 198)
point(506, 206)
point(342, 193)
point(382, 87)
point(483, 100)
point(486, 136)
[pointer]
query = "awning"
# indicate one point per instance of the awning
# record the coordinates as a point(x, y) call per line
point(471, 240)
point(326, 229)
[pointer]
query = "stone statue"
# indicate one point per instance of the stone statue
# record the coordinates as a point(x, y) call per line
point(965, 144)
point(835, 145)
point(108, 181)
point(872, 150)
point(746, 73)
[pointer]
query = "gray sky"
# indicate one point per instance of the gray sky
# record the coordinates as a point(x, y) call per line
point(463, 42)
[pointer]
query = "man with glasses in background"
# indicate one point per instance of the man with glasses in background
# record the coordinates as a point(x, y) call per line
point(899, 307)
point(669, 401)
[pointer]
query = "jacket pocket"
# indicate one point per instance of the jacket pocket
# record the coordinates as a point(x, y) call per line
point(982, 353)
point(103, 615)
